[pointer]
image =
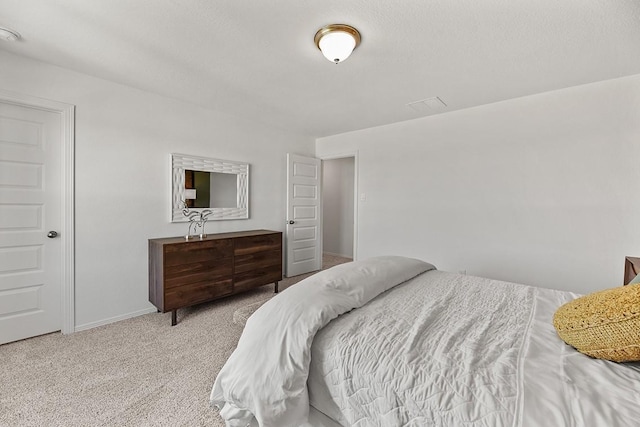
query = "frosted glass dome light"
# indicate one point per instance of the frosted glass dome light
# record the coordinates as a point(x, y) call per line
point(337, 41)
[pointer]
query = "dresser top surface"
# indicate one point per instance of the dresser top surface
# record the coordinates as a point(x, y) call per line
point(216, 236)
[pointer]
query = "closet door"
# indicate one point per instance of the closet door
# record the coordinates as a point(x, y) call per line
point(31, 215)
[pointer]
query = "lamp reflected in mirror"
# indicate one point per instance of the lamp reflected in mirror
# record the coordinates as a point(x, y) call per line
point(190, 194)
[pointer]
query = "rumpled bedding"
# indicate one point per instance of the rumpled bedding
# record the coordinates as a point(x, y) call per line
point(424, 348)
point(446, 349)
point(440, 350)
point(264, 382)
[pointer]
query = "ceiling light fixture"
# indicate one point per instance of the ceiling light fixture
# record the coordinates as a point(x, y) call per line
point(9, 35)
point(337, 41)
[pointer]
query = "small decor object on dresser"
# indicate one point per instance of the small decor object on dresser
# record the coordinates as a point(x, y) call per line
point(183, 272)
point(197, 219)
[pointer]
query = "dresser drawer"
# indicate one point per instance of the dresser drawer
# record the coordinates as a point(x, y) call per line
point(194, 293)
point(255, 260)
point(209, 270)
point(257, 277)
point(190, 252)
point(261, 243)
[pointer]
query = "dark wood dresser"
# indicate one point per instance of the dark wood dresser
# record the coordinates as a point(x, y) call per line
point(188, 272)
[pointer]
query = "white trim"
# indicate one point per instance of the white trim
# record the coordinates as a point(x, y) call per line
point(356, 193)
point(67, 231)
point(114, 319)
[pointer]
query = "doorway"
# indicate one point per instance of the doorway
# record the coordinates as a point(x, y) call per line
point(339, 207)
point(321, 195)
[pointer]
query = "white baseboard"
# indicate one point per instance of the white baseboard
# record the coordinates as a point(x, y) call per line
point(92, 325)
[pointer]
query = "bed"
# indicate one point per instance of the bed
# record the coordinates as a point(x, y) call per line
point(392, 341)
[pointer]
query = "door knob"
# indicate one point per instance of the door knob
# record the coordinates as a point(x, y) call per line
point(291, 222)
point(52, 234)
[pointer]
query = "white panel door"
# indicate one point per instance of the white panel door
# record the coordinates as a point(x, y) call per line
point(304, 219)
point(30, 207)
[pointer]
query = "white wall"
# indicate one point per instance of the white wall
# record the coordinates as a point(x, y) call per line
point(124, 138)
point(540, 190)
point(337, 206)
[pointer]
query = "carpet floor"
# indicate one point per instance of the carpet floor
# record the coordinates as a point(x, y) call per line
point(136, 372)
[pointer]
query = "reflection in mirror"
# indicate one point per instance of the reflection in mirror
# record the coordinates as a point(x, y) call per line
point(224, 193)
point(221, 186)
point(210, 189)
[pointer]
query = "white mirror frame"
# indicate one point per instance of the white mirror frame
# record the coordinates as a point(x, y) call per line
point(182, 162)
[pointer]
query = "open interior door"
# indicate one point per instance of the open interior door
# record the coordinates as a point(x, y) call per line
point(304, 215)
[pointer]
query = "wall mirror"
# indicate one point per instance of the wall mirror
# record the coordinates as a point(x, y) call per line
point(222, 186)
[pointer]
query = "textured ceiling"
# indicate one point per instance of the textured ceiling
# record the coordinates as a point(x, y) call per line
point(257, 59)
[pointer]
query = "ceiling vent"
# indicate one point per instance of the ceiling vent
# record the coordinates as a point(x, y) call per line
point(428, 106)
point(9, 35)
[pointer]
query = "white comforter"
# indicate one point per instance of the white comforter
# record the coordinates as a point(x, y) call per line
point(445, 349)
point(448, 356)
point(264, 382)
point(440, 349)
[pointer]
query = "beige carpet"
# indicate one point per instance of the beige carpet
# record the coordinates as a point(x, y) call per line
point(137, 372)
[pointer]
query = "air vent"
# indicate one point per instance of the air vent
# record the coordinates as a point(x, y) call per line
point(9, 35)
point(428, 106)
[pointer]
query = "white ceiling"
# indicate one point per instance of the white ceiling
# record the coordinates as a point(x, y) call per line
point(257, 58)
